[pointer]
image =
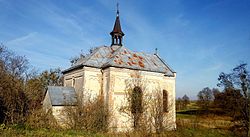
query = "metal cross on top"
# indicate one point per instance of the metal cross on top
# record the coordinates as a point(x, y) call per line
point(117, 8)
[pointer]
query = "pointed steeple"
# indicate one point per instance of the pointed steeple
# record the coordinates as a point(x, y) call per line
point(117, 33)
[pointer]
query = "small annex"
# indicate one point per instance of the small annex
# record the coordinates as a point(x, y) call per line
point(57, 98)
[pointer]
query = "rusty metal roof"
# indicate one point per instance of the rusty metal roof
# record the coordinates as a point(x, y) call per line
point(106, 56)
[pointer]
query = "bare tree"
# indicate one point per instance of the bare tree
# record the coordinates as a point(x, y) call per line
point(40, 119)
point(21, 89)
point(186, 100)
point(135, 106)
point(179, 104)
point(229, 101)
point(205, 98)
point(239, 80)
point(89, 113)
point(53, 77)
point(12, 97)
point(148, 110)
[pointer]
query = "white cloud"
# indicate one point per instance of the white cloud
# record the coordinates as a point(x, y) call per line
point(214, 67)
point(25, 38)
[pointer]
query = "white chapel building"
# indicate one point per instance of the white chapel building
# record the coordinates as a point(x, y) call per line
point(108, 71)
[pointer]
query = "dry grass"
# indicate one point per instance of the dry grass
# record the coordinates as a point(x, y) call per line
point(188, 125)
point(211, 119)
point(181, 132)
point(205, 121)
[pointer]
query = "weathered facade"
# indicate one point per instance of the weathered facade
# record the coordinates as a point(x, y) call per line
point(109, 70)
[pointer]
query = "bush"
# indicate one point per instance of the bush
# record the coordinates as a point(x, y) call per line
point(40, 119)
point(89, 115)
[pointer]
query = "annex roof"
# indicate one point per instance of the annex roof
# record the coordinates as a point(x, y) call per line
point(61, 96)
point(106, 56)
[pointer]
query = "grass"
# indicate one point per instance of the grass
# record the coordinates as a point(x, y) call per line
point(181, 132)
point(192, 116)
point(185, 116)
point(190, 123)
point(203, 132)
point(12, 132)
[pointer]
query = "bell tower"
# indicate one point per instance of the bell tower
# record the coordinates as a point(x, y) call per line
point(117, 33)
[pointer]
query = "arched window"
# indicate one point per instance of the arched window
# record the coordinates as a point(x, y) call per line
point(165, 100)
point(136, 100)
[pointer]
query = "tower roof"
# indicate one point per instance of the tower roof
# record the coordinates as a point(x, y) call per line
point(117, 33)
point(117, 26)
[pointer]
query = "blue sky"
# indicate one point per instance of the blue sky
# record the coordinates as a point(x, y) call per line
point(197, 38)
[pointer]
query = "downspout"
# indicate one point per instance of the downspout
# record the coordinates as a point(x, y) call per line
point(102, 94)
point(101, 83)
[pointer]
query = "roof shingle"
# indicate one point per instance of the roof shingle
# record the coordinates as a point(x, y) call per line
point(61, 96)
point(122, 57)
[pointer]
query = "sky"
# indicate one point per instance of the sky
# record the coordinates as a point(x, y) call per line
point(197, 38)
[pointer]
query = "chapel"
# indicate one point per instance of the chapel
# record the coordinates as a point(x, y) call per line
point(108, 72)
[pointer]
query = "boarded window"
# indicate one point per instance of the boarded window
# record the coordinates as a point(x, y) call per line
point(165, 101)
point(136, 100)
point(73, 82)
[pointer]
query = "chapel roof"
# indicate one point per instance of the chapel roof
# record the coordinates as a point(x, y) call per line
point(105, 56)
point(119, 56)
point(61, 96)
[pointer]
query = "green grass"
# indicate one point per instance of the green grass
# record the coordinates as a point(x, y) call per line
point(42, 132)
point(185, 116)
point(181, 132)
point(189, 124)
point(202, 132)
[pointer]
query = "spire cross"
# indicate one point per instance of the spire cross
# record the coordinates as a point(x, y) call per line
point(117, 33)
point(117, 8)
point(156, 51)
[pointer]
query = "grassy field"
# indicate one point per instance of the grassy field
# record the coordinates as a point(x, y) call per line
point(186, 129)
point(181, 132)
point(190, 123)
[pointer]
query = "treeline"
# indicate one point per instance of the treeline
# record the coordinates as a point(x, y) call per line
point(181, 103)
point(233, 100)
point(22, 88)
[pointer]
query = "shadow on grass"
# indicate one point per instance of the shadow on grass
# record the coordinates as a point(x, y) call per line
point(202, 112)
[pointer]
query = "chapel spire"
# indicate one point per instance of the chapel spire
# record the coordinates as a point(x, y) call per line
point(117, 33)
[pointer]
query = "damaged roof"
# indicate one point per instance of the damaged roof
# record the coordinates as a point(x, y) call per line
point(108, 56)
point(61, 96)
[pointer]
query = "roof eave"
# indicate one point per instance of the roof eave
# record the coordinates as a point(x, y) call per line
point(105, 67)
point(165, 63)
point(72, 68)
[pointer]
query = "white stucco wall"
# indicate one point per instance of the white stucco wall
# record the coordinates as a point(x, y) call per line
point(111, 84)
point(57, 112)
point(47, 103)
point(85, 80)
point(119, 79)
point(75, 79)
